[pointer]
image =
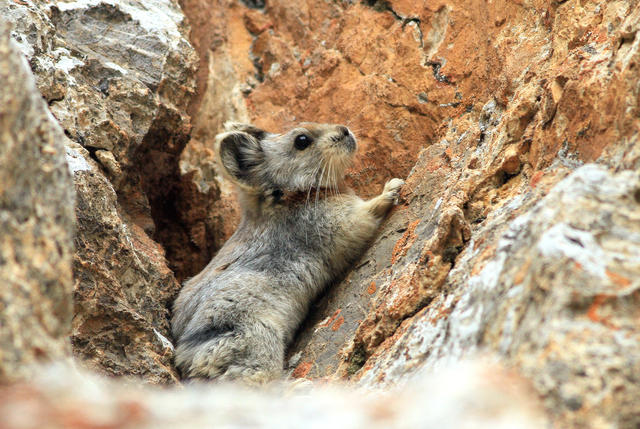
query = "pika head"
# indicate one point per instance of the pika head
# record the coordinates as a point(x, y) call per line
point(305, 157)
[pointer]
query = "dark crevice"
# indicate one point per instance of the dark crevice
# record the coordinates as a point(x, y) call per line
point(479, 220)
point(357, 359)
point(257, 63)
point(627, 38)
point(482, 137)
point(92, 153)
point(379, 6)
point(54, 100)
point(178, 211)
point(385, 6)
point(436, 66)
point(451, 253)
point(103, 86)
point(501, 178)
point(575, 241)
point(254, 4)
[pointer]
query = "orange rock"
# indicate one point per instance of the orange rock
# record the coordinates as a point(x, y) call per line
point(256, 22)
point(302, 370)
point(337, 324)
point(372, 288)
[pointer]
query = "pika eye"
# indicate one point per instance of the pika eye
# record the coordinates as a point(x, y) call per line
point(302, 142)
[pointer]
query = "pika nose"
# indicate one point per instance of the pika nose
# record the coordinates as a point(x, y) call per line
point(343, 130)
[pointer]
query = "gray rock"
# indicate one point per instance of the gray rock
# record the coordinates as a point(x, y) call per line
point(557, 299)
point(107, 68)
point(119, 76)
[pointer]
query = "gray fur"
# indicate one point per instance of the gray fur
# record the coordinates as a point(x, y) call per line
point(235, 318)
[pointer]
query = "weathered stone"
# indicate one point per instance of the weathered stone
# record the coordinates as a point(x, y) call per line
point(123, 287)
point(36, 223)
point(116, 66)
point(119, 76)
point(223, 79)
point(472, 396)
point(553, 291)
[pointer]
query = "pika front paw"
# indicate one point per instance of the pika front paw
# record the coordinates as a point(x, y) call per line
point(392, 189)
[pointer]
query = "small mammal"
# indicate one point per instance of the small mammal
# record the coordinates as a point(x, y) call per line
point(298, 232)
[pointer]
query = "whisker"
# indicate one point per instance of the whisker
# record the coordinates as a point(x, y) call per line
point(316, 202)
point(334, 187)
point(311, 183)
point(319, 184)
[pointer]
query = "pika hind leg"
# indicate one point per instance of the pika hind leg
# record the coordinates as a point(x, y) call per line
point(254, 355)
point(380, 205)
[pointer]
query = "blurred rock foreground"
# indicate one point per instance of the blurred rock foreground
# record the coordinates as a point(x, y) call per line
point(515, 124)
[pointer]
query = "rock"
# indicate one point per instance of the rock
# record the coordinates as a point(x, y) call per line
point(116, 65)
point(36, 223)
point(481, 396)
point(225, 75)
point(123, 287)
point(553, 286)
point(119, 76)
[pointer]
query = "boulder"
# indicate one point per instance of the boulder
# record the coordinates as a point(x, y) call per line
point(123, 288)
point(118, 77)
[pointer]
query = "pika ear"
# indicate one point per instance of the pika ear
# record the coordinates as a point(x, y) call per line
point(252, 130)
point(240, 155)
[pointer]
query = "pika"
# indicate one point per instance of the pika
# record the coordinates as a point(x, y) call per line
point(299, 231)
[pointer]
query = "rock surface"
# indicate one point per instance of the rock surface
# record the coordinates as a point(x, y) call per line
point(118, 76)
point(36, 223)
point(123, 287)
point(554, 293)
point(481, 397)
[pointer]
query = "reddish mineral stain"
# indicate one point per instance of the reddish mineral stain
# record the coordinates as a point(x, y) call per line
point(330, 319)
point(302, 370)
point(618, 279)
point(372, 288)
point(535, 179)
point(337, 324)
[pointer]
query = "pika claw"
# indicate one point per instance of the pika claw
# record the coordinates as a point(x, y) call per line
point(392, 189)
